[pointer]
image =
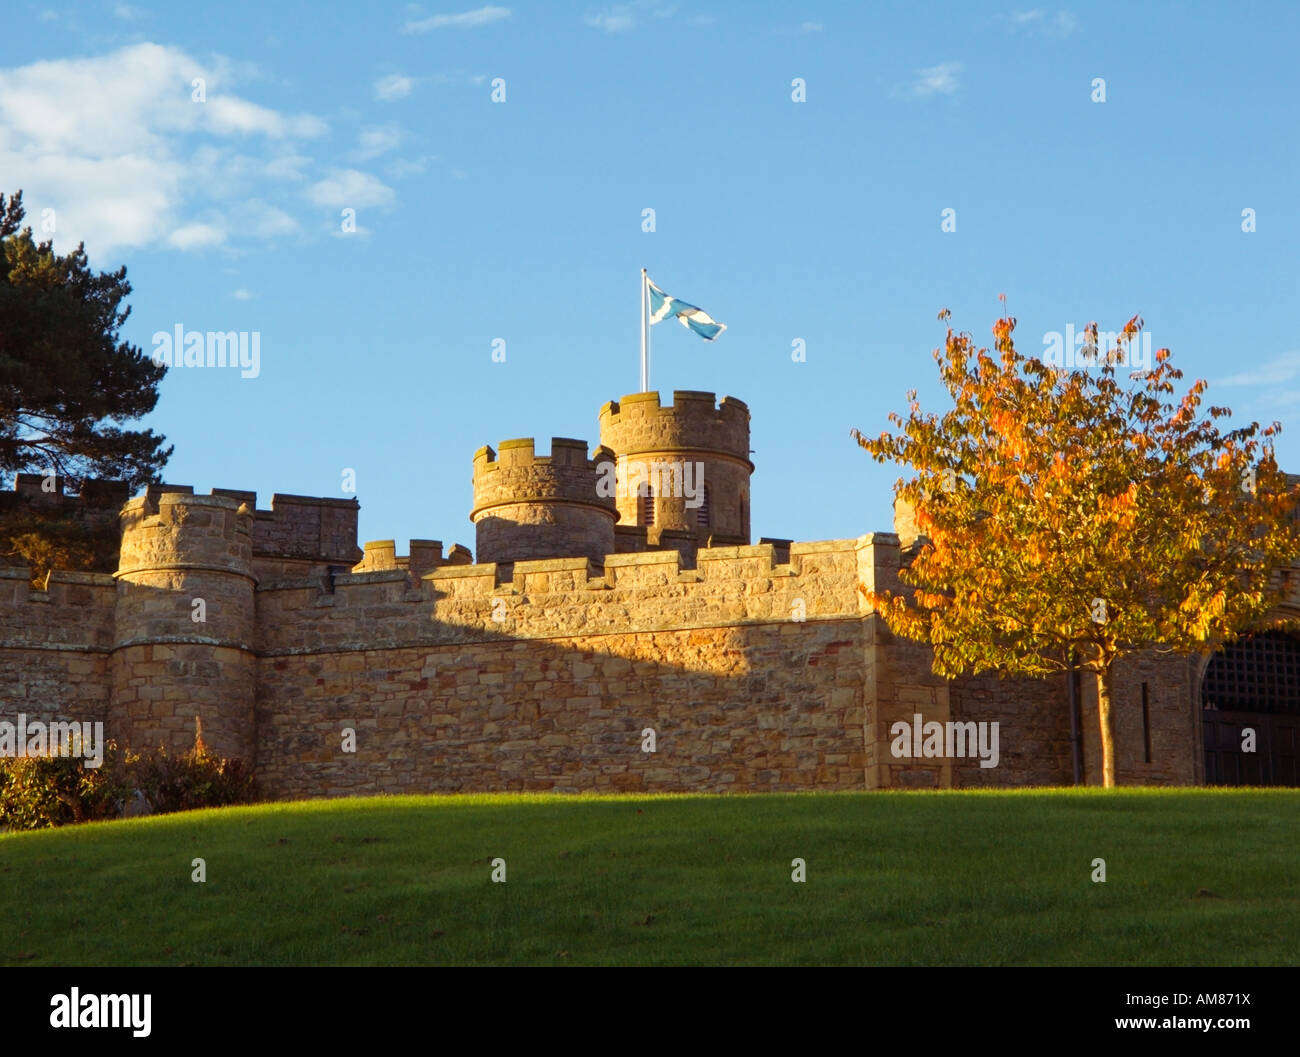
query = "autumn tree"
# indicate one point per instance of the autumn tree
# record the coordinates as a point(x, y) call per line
point(1070, 517)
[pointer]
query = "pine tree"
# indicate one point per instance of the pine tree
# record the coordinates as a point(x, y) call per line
point(66, 376)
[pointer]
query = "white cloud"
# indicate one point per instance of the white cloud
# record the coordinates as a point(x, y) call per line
point(118, 148)
point(228, 114)
point(261, 220)
point(811, 27)
point(937, 80)
point(350, 188)
point(1046, 23)
point(243, 295)
point(1280, 369)
point(393, 86)
point(127, 13)
point(398, 86)
point(196, 237)
point(619, 18)
point(402, 167)
point(482, 16)
point(1274, 384)
point(286, 166)
point(376, 140)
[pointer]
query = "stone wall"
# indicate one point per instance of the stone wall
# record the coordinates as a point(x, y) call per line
point(55, 646)
point(749, 670)
point(1033, 734)
point(759, 668)
point(769, 707)
point(1173, 725)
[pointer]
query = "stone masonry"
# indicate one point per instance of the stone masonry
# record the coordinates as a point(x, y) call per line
point(607, 606)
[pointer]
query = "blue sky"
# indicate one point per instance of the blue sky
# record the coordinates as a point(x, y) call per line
point(521, 220)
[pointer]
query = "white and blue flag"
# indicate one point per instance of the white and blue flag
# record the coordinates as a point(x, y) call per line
point(662, 306)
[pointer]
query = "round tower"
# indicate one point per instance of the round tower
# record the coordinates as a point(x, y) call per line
point(530, 506)
point(683, 467)
point(183, 647)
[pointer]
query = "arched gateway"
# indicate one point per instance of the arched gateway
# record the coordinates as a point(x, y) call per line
point(1250, 700)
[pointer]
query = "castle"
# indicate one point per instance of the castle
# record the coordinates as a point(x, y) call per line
point(618, 632)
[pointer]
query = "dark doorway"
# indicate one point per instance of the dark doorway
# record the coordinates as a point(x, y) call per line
point(1251, 693)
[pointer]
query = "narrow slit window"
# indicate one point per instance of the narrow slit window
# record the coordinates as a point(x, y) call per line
point(646, 505)
point(702, 514)
point(1146, 724)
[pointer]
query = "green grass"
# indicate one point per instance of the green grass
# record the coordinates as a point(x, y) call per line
point(1193, 877)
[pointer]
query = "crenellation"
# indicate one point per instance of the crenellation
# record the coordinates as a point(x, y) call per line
point(682, 469)
point(585, 617)
point(48, 489)
point(540, 506)
point(95, 506)
point(313, 530)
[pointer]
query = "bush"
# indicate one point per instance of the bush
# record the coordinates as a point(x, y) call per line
point(42, 791)
point(193, 780)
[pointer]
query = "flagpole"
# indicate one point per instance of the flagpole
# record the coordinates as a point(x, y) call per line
point(645, 329)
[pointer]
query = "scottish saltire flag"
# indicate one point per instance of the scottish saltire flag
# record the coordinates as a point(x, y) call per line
point(662, 307)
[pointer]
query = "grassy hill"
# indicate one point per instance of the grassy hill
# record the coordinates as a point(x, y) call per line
point(1193, 877)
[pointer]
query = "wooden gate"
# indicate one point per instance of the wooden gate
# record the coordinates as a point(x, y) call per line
point(1275, 760)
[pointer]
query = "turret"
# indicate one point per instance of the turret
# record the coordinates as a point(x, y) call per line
point(681, 468)
point(542, 506)
point(184, 622)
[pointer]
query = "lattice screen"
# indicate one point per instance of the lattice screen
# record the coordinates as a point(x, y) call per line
point(1256, 674)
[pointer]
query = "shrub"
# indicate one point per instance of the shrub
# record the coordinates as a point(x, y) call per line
point(192, 780)
point(42, 791)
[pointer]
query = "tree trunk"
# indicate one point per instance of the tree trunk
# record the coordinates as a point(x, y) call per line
point(1107, 721)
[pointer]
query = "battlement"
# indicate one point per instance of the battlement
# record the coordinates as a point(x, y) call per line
point(519, 475)
point(62, 588)
point(542, 506)
point(700, 446)
point(521, 452)
point(173, 529)
point(313, 529)
point(43, 488)
point(693, 422)
point(622, 594)
point(686, 402)
point(752, 565)
point(425, 556)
